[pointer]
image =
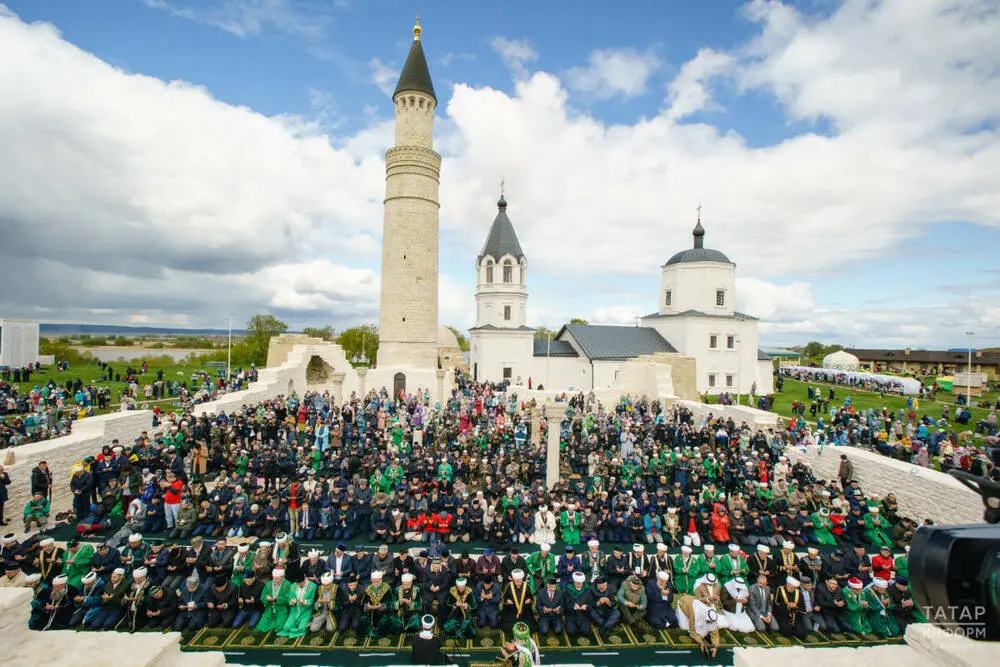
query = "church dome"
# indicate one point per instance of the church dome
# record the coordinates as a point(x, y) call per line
point(698, 253)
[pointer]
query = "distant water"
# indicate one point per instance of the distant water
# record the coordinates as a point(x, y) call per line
point(126, 354)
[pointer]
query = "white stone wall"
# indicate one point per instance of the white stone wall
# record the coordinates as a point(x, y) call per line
point(490, 351)
point(922, 493)
point(562, 373)
point(87, 438)
point(18, 342)
point(693, 285)
point(739, 413)
point(290, 377)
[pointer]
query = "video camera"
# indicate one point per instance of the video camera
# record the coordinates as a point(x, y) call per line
point(955, 570)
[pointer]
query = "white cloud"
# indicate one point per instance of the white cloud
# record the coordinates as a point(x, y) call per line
point(250, 17)
point(191, 206)
point(515, 53)
point(613, 72)
point(384, 76)
point(689, 91)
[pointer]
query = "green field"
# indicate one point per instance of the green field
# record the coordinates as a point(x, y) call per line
point(90, 374)
point(863, 400)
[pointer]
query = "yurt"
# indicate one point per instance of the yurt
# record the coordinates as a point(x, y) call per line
point(841, 361)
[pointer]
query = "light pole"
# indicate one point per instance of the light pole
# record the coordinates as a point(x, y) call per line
point(968, 378)
point(229, 350)
point(739, 369)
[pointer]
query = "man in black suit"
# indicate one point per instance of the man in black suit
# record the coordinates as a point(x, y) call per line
point(427, 647)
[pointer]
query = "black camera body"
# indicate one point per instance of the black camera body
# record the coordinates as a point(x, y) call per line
point(955, 570)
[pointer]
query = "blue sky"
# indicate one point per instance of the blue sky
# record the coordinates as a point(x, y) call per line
point(859, 209)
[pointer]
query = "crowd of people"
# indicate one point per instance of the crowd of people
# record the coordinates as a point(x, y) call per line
point(657, 518)
point(49, 409)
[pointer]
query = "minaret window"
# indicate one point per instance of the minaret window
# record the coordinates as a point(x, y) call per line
point(668, 298)
point(508, 272)
point(720, 297)
point(506, 313)
point(489, 272)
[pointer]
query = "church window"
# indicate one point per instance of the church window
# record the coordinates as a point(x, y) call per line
point(713, 342)
point(668, 298)
point(508, 272)
point(711, 380)
point(506, 313)
point(730, 342)
point(489, 272)
point(729, 380)
point(720, 297)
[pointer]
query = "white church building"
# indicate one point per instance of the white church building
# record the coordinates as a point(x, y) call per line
point(695, 319)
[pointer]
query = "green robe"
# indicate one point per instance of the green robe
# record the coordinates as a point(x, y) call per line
point(459, 624)
point(821, 529)
point(684, 579)
point(77, 565)
point(901, 564)
point(395, 473)
point(880, 618)
point(570, 528)
point(379, 483)
point(540, 568)
point(875, 531)
point(854, 614)
point(732, 568)
point(275, 613)
point(409, 616)
point(444, 472)
point(300, 601)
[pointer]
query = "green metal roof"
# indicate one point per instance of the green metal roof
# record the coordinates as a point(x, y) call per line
point(502, 240)
point(602, 342)
point(416, 76)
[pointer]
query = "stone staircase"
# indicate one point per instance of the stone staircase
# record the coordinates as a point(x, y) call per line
point(69, 648)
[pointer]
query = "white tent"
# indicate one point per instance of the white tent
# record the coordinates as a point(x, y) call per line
point(841, 361)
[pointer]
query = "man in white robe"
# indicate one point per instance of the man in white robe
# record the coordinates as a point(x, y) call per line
point(735, 597)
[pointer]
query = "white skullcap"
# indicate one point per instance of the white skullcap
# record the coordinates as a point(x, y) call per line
point(663, 574)
point(593, 543)
point(686, 549)
point(792, 581)
point(313, 553)
point(32, 578)
point(545, 547)
point(579, 576)
point(879, 582)
point(326, 579)
point(788, 544)
point(408, 578)
point(140, 573)
point(61, 580)
point(709, 547)
point(89, 578)
point(763, 548)
point(278, 573)
point(734, 548)
point(377, 574)
point(517, 574)
point(135, 537)
point(119, 571)
point(46, 542)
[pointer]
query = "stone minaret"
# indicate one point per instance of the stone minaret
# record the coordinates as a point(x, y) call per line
point(408, 316)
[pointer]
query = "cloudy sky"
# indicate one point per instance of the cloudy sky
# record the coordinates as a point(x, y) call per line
point(168, 161)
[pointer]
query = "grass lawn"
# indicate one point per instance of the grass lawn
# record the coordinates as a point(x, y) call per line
point(90, 374)
point(863, 400)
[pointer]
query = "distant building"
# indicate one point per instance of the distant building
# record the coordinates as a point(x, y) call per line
point(18, 343)
point(927, 362)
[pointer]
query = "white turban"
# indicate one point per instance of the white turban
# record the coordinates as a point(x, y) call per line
point(134, 537)
point(788, 544)
point(119, 571)
point(408, 578)
point(545, 547)
point(278, 573)
point(243, 548)
point(140, 573)
point(517, 574)
point(89, 578)
point(663, 574)
point(326, 579)
point(579, 576)
point(593, 543)
point(313, 553)
point(792, 581)
point(61, 580)
point(46, 542)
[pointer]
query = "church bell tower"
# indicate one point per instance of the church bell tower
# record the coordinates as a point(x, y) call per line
point(408, 313)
